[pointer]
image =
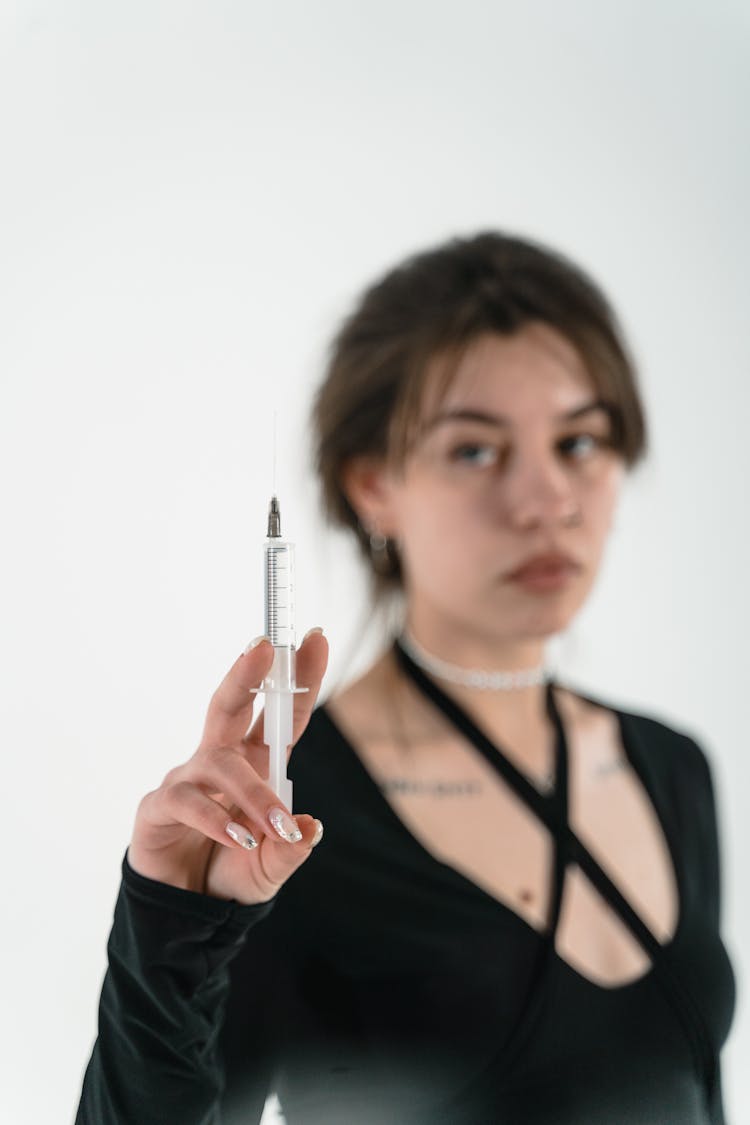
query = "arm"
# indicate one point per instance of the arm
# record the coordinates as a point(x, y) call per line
point(211, 847)
point(156, 1059)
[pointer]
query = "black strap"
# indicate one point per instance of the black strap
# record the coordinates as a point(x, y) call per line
point(552, 810)
point(540, 804)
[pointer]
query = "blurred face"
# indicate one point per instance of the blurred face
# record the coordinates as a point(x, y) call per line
point(514, 462)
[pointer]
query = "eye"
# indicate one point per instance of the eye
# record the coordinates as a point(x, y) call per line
point(581, 445)
point(474, 453)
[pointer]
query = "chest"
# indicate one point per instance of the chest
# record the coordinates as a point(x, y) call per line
point(461, 811)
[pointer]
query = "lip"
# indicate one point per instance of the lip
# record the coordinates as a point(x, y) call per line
point(549, 564)
point(542, 581)
point(545, 573)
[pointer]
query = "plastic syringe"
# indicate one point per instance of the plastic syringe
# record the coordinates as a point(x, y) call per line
point(279, 686)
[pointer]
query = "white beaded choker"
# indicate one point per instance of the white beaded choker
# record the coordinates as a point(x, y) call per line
point(473, 677)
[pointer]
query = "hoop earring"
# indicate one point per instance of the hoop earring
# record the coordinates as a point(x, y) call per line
point(378, 543)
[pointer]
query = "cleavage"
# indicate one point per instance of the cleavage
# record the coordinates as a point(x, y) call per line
point(458, 809)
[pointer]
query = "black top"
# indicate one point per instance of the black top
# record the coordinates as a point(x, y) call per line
point(383, 986)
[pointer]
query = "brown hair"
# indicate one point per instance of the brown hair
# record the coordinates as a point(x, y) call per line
point(434, 304)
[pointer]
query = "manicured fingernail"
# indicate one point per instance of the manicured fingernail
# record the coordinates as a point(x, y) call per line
point(318, 834)
point(254, 644)
point(241, 835)
point(284, 826)
point(309, 633)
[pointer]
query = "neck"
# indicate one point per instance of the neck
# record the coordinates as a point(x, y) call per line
point(475, 649)
point(518, 711)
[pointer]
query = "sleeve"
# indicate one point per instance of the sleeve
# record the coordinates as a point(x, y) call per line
point(156, 1058)
point(716, 1099)
point(707, 822)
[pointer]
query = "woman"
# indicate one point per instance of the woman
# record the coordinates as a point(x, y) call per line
point(514, 915)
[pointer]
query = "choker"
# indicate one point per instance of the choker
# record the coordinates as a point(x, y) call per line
point(472, 677)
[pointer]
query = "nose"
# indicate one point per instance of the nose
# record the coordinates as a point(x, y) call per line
point(538, 493)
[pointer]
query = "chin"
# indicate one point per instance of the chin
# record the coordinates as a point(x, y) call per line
point(541, 621)
point(521, 629)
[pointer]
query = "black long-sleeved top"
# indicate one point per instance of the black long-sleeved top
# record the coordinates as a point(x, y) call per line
point(382, 986)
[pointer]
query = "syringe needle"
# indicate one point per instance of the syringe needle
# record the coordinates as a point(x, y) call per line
point(273, 475)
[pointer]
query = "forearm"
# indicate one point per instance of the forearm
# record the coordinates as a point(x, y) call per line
point(156, 1057)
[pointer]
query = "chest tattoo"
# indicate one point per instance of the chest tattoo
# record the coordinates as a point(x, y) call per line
point(603, 769)
point(419, 787)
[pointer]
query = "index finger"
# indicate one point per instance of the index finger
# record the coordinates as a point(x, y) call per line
point(311, 663)
point(230, 711)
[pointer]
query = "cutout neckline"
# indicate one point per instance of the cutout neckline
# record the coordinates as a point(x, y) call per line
point(547, 807)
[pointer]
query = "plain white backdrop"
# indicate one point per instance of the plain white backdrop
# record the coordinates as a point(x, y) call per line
point(191, 196)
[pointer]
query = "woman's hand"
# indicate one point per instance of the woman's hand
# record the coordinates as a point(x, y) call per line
point(180, 835)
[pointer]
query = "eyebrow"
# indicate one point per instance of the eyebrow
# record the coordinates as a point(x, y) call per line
point(466, 415)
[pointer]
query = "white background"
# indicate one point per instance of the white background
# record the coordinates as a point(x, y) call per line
point(191, 196)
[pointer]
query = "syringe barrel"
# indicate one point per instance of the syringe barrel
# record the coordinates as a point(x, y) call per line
point(282, 673)
point(279, 592)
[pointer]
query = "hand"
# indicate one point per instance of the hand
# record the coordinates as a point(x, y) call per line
point(180, 834)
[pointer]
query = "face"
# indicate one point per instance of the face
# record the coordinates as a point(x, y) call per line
point(514, 461)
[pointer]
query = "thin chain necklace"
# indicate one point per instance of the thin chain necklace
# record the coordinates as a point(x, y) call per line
point(473, 677)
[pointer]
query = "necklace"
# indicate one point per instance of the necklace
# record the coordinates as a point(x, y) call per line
point(473, 677)
point(412, 654)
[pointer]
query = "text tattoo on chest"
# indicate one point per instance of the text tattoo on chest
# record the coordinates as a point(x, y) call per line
point(426, 788)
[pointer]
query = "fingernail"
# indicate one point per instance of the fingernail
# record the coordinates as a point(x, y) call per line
point(284, 826)
point(318, 834)
point(254, 644)
point(309, 633)
point(241, 835)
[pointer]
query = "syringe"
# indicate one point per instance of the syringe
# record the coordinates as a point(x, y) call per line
point(279, 686)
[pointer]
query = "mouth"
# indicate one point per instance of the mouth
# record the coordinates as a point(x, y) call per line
point(549, 572)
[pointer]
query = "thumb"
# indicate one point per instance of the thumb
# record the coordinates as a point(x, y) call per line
point(279, 860)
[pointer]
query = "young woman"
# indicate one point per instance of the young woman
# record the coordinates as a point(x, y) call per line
point(514, 913)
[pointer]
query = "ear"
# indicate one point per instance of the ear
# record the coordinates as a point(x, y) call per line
point(368, 485)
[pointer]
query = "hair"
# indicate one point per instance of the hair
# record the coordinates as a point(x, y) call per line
point(432, 306)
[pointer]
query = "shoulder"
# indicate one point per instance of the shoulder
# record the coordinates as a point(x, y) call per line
point(663, 736)
point(669, 754)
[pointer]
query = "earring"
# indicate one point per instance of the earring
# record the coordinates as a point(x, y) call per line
point(378, 543)
point(380, 549)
